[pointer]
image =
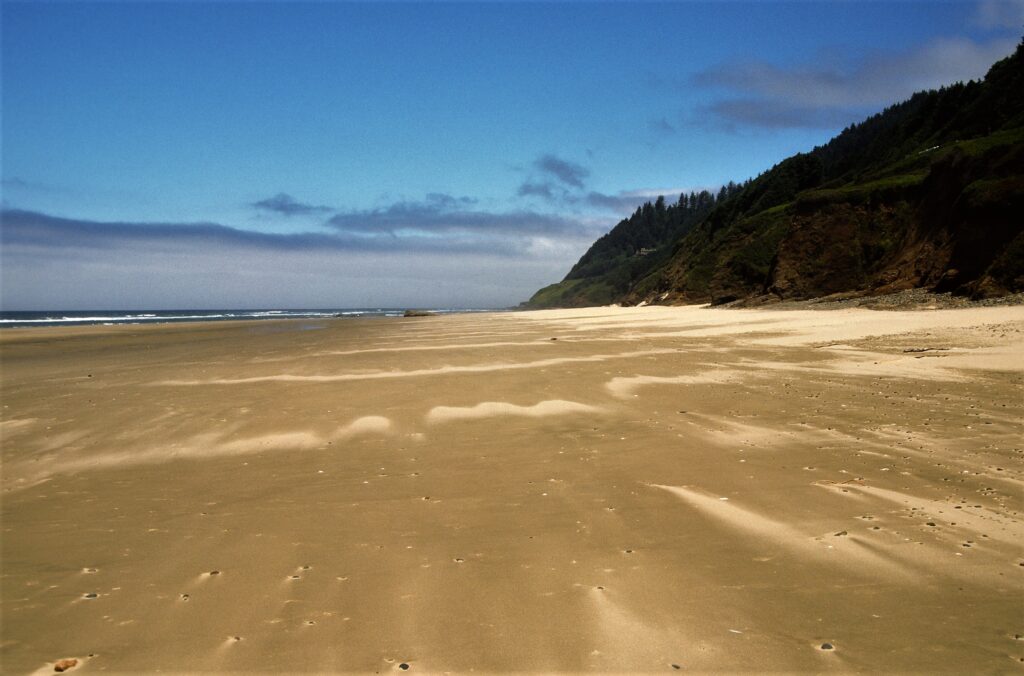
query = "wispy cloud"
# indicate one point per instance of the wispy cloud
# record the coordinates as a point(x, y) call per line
point(52, 262)
point(286, 205)
point(562, 184)
point(620, 203)
point(437, 224)
point(1000, 14)
point(19, 184)
point(661, 126)
point(543, 189)
point(761, 94)
point(440, 213)
point(567, 172)
point(41, 231)
point(626, 201)
point(735, 114)
point(30, 228)
point(556, 180)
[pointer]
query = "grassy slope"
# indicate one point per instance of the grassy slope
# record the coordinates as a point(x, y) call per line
point(724, 263)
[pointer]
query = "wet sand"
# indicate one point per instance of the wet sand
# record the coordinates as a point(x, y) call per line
point(633, 490)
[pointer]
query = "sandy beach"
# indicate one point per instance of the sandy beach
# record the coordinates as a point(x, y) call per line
point(609, 489)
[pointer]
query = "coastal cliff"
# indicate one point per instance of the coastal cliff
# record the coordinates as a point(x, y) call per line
point(927, 194)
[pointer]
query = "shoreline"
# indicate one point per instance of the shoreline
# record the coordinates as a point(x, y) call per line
point(81, 329)
point(911, 299)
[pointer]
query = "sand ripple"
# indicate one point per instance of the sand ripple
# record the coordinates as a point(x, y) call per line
point(845, 551)
point(490, 409)
point(198, 447)
point(625, 386)
point(442, 370)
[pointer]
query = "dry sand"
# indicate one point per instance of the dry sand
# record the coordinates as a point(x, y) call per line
point(658, 489)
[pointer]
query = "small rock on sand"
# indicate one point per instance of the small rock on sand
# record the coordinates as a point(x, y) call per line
point(64, 665)
point(827, 646)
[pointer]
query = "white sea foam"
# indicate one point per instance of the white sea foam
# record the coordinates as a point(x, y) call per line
point(42, 318)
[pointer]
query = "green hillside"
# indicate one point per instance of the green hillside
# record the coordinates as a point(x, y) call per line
point(927, 193)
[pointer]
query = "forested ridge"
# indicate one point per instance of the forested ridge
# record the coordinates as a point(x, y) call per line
point(927, 193)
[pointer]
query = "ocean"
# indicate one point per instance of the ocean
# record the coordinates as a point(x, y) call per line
point(111, 317)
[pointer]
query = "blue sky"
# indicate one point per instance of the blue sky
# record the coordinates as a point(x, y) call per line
point(345, 154)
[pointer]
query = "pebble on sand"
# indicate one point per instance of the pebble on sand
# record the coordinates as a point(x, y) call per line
point(64, 665)
point(827, 646)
